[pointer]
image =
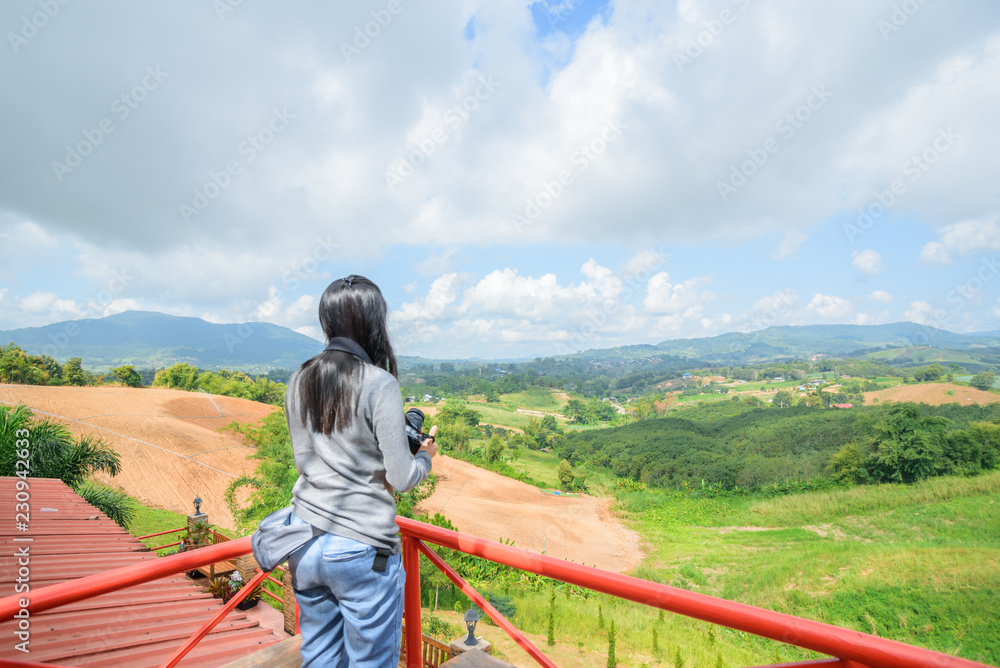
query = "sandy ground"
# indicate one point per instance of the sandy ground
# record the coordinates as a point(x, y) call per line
point(487, 505)
point(934, 394)
point(167, 439)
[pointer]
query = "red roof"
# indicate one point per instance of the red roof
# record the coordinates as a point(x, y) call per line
point(135, 627)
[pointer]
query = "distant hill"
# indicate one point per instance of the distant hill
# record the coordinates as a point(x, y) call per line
point(806, 341)
point(149, 339)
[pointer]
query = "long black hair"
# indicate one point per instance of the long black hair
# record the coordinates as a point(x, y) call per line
point(328, 384)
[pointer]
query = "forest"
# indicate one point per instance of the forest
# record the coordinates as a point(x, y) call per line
point(733, 445)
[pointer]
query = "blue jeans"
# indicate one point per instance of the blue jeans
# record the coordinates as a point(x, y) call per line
point(350, 616)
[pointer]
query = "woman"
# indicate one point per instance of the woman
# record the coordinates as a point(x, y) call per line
point(345, 418)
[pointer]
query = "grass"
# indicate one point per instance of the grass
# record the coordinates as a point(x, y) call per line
point(539, 465)
point(918, 564)
point(498, 415)
point(534, 398)
point(154, 520)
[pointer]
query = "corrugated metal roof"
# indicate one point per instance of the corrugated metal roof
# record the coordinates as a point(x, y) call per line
point(135, 627)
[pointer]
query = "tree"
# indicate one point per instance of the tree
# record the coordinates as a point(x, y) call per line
point(128, 376)
point(494, 449)
point(906, 446)
point(52, 452)
point(782, 399)
point(983, 381)
point(568, 479)
point(848, 464)
point(74, 374)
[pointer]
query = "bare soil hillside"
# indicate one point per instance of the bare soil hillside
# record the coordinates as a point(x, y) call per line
point(171, 452)
point(580, 529)
point(168, 441)
point(934, 394)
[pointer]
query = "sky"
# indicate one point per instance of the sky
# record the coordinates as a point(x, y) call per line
point(520, 178)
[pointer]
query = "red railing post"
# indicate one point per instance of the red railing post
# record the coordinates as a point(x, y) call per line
point(411, 604)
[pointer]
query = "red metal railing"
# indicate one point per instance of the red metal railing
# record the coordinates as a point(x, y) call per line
point(852, 649)
point(163, 533)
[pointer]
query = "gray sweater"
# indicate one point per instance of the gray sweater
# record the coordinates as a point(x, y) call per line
point(340, 488)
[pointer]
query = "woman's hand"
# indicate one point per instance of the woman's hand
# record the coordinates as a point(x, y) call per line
point(429, 445)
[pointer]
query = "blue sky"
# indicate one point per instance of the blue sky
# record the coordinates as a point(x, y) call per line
point(520, 178)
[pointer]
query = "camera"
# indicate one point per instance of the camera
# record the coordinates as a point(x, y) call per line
point(414, 429)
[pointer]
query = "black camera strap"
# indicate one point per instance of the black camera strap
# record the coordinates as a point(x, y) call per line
point(346, 345)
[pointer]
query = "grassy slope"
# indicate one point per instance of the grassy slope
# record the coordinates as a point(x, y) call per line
point(916, 564)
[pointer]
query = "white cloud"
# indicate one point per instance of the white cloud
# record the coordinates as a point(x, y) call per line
point(961, 239)
point(919, 312)
point(867, 261)
point(880, 296)
point(934, 252)
point(672, 299)
point(790, 245)
point(437, 304)
point(643, 264)
point(830, 307)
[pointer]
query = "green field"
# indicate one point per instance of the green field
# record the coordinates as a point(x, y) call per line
point(534, 398)
point(539, 465)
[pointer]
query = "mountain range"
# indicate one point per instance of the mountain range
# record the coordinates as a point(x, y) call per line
point(148, 339)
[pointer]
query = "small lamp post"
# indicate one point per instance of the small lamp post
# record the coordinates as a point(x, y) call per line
point(471, 617)
point(197, 505)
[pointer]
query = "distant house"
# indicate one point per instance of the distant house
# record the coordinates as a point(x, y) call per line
point(427, 397)
point(842, 405)
point(800, 388)
point(685, 375)
point(410, 399)
point(779, 379)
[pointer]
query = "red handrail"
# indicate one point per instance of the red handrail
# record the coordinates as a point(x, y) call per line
point(863, 648)
point(55, 595)
point(485, 605)
point(211, 623)
point(854, 649)
point(162, 533)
